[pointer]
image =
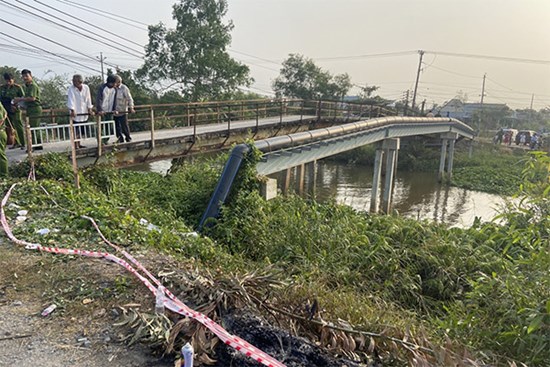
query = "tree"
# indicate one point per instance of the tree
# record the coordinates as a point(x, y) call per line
point(193, 56)
point(140, 92)
point(301, 78)
point(53, 90)
point(341, 85)
point(12, 70)
point(367, 91)
point(461, 96)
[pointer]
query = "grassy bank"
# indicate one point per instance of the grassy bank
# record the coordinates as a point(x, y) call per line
point(481, 293)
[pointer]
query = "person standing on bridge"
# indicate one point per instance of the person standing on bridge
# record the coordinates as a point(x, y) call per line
point(8, 92)
point(3, 142)
point(124, 104)
point(79, 103)
point(106, 99)
point(31, 102)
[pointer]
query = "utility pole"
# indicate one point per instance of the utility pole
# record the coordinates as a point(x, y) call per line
point(482, 96)
point(406, 103)
point(531, 108)
point(423, 105)
point(101, 59)
point(417, 78)
point(483, 89)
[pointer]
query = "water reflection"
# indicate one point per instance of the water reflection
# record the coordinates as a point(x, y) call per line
point(416, 195)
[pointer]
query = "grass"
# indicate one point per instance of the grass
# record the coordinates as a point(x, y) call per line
point(482, 289)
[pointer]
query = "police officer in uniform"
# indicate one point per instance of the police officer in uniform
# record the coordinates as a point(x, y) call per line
point(32, 102)
point(8, 92)
point(3, 141)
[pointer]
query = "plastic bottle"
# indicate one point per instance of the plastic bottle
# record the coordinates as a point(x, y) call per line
point(48, 310)
point(187, 354)
point(159, 302)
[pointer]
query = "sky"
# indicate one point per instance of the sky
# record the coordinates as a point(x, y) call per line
point(376, 42)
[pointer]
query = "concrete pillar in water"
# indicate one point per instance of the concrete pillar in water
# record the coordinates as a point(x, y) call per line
point(442, 160)
point(447, 139)
point(375, 193)
point(301, 174)
point(287, 181)
point(312, 178)
point(450, 160)
point(390, 146)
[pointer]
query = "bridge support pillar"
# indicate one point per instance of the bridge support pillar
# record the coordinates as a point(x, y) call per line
point(447, 139)
point(441, 172)
point(268, 188)
point(450, 159)
point(375, 193)
point(390, 146)
point(287, 181)
point(301, 174)
point(312, 178)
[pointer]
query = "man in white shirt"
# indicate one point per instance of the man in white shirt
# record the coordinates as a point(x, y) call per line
point(79, 102)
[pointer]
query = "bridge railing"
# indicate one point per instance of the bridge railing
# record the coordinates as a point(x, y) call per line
point(157, 117)
point(54, 133)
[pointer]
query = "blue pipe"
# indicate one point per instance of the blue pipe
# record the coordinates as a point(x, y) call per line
point(224, 184)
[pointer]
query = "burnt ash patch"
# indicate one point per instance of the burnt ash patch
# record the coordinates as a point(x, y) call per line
point(291, 350)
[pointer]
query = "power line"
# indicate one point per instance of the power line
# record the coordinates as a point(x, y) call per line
point(488, 57)
point(256, 57)
point(68, 28)
point(90, 24)
point(45, 38)
point(515, 91)
point(49, 52)
point(356, 57)
point(258, 65)
point(103, 13)
point(33, 53)
point(455, 73)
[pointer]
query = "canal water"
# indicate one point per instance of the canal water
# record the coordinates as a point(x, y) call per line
point(417, 195)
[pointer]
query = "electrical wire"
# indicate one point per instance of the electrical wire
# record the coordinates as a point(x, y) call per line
point(256, 57)
point(515, 91)
point(49, 52)
point(357, 57)
point(104, 14)
point(70, 29)
point(45, 38)
point(89, 23)
point(455, 73)
point(488, 57)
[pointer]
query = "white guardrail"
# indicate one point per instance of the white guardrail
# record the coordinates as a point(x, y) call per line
point(54, 133)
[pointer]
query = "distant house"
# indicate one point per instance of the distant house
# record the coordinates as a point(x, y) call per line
point(351, 98)
point(455, 108)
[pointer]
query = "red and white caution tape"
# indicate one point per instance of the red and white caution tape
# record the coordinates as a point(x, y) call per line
point(171, 302)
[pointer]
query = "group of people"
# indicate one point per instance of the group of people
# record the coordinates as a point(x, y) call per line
point(533, 139)
point(114, 101)
point(13, 98)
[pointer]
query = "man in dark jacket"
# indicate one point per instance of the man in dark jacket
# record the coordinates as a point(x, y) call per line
point(106, 101)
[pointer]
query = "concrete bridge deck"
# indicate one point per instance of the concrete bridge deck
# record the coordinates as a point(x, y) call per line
point(167, 143)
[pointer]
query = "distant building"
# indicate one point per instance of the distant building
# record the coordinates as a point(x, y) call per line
point(351, 98)
point(457, 109)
